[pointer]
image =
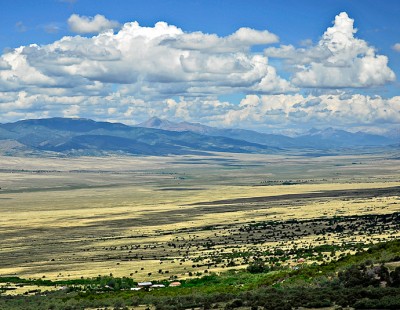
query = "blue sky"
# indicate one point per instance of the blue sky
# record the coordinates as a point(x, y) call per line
point(275, 66)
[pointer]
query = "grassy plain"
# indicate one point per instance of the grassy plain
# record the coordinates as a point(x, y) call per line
point(181, 216)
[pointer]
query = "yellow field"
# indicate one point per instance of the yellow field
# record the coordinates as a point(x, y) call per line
point(159, 217)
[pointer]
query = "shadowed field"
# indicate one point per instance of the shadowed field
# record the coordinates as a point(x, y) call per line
point(178, 216)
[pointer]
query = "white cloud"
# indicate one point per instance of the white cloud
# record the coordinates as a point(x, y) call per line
point(277, 113)
point(242, 39)
point(71, 111)
point(396, 47)
point(280, 112)
point(4, 65)
point(250, 36)
point(140, 72)
point(339, 60)
point(146, 61)
point(20, 74)
point(85, 24)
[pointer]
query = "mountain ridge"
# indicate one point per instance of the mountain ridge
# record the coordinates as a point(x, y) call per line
point(163, 137)
point(314, 138)
point(88, 137)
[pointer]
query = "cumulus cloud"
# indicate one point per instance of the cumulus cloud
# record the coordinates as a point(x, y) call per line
point(242, 39)
point(396, 47)
point(85, 24)
point(146, 61)
point(4, 65)
point(277, 113)
point(339, 60)
point(139, 72)
point(280, 112)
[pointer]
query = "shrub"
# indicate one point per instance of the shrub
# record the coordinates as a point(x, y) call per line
point(257, 266)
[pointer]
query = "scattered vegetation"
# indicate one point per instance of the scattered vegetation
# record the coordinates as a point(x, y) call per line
point(328, 239)
point(361, 281)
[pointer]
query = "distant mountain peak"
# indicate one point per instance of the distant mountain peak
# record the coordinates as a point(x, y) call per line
point(156, 122)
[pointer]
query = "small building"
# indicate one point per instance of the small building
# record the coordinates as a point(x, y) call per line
point(145, 284)
point(136, 288)
point(175, 284)
point(157, 286)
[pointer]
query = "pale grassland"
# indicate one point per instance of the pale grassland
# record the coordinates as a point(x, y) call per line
point(31, 289)
point(68, 218)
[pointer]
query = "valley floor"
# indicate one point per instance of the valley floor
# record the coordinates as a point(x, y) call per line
point(179, 217)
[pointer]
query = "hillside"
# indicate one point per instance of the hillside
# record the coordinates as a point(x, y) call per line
point(360, 281)
point(70, 136)
point(87, 137)
point(317, 139)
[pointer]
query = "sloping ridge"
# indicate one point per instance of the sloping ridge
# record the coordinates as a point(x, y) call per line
point(317, 139)
point(89, 137)
point(65, 135)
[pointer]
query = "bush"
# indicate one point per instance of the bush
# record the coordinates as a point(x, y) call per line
point(358, 276)
point(257, 267)
point(234, 304)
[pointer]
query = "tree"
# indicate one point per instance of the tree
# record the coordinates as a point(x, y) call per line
point(358, 276)
point(395, 277)
point(257, 266)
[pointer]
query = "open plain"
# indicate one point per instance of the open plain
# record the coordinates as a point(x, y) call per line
point(182, 216)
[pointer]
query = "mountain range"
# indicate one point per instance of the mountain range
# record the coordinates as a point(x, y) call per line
point(318, 139)
point(76, 136)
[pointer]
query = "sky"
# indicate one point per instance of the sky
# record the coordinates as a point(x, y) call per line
point(273, 66)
